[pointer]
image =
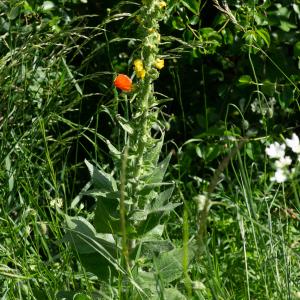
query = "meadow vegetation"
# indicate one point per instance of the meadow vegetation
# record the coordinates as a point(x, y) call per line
point(149, 149)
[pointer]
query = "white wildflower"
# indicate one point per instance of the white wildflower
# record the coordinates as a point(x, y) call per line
point(200, 200)
point(279, 176)
point(293, 143)
point(271, 105)
point(56, 202)
point(275, 150)
point(265, 107)
point(283, 162)
point(255, 106)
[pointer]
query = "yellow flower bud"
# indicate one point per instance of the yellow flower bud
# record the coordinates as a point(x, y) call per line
point(159, 63)
point(158, 37)
point(162, 4)
point(141, 74)
point(139, 68)
point(138, 65)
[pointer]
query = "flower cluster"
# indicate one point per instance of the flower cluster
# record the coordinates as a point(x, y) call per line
point(265, 108)
point(140, 70)
point(282, 163)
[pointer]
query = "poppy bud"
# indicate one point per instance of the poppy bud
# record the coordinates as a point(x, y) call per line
point(123, 82)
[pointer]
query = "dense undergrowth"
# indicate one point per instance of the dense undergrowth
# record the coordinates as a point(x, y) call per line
point(184, 184)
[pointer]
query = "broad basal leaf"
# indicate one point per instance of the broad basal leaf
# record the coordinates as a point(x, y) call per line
point(83, 237)
point(98, 252)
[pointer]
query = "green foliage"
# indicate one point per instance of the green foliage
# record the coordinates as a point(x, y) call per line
point(96, 252)
point(182, 201)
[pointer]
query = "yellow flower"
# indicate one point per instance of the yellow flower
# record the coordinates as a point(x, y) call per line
point(159, 63)
point(162, 4)
point(138, 65)
point(141, 74)
point(139, 68)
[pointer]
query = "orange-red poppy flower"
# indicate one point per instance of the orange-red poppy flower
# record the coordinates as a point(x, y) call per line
point(123, 82)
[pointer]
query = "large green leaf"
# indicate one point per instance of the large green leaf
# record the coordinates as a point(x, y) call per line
point(98, 252)
point(152, 155)
point(107, 216)
point(152, 213)
point(83, 237)
point(147, 188)
point(149, 281)
point(245, 79)
point(159, 172)
point(124, 124)
point(159, 203)
point(192, 5)
point(169, 265)
point(174, 294)
point(103, 194)
point(80, 296)
point(101, 179)
point(296, 49)
point(98, 265)
point(149, 248)
point(264, 34)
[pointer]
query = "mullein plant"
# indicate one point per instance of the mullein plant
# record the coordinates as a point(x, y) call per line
point(127, 232)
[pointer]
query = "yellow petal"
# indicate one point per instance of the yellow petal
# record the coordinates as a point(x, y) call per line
point(141, 74)
point(138, 65)
point(162, 4)
point(159, 63)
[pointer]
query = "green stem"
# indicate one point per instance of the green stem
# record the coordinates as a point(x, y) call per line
point(142, 126)
point(122, 207)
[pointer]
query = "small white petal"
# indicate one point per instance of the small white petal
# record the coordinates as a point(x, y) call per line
point(283, 162)
point(293, 143)
point(279, 176)
point(276, 150)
